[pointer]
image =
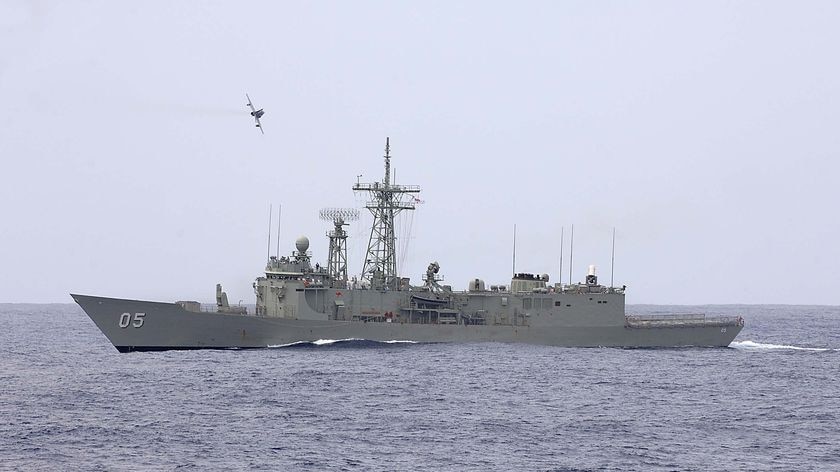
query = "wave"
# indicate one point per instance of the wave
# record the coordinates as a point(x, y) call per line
point(756, 346)
point(352, 342)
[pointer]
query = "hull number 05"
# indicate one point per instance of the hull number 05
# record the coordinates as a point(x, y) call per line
point(136, 320)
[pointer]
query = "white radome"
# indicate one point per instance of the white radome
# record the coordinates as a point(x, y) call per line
point(302, 244)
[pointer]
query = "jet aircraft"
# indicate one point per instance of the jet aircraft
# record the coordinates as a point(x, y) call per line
point(257, 114)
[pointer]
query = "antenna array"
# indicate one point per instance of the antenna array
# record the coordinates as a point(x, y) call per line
point(387, 200)
point(337, 258)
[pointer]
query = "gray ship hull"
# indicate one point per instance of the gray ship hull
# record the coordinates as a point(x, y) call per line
point(134, 325)
point(301, 301)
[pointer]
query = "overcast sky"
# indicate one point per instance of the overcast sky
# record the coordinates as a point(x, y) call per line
point(706, 133)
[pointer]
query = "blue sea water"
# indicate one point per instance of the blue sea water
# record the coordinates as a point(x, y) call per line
point(70, 401)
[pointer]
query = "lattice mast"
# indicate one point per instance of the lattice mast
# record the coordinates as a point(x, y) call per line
point(387, 200)
point(337, 258)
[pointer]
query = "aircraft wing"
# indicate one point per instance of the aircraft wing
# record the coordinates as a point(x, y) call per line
point(250, 104)
point(259, 125)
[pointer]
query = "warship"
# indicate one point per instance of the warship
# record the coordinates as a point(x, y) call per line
point(299, 302)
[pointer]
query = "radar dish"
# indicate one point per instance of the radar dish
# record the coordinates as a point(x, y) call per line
point(339, 214)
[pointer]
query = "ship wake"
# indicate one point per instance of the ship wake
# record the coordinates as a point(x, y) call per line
point(756, 346)
point(349, 342)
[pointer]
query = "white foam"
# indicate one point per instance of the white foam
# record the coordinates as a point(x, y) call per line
point(319, 342)
point(287, 345)
point(322, 342)
point(327, 342)
point(754, 346)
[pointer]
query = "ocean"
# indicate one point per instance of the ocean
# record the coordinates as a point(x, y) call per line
point(70, 401)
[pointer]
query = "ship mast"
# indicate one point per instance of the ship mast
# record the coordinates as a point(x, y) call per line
point(387, 200)
point(337, 260)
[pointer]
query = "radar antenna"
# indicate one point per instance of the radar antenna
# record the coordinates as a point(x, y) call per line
point(386, 201)
point(337, 259)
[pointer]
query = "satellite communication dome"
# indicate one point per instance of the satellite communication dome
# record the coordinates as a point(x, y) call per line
point(302, 244)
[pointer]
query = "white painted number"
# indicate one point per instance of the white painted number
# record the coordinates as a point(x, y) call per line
point(723, 330)
point(136, 320)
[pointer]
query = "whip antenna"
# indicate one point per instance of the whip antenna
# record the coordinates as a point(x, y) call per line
point(279, 214)
point(560, 281)
point(612, 260)
point(514, 250)
point(571, 252)
point(268, 250)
